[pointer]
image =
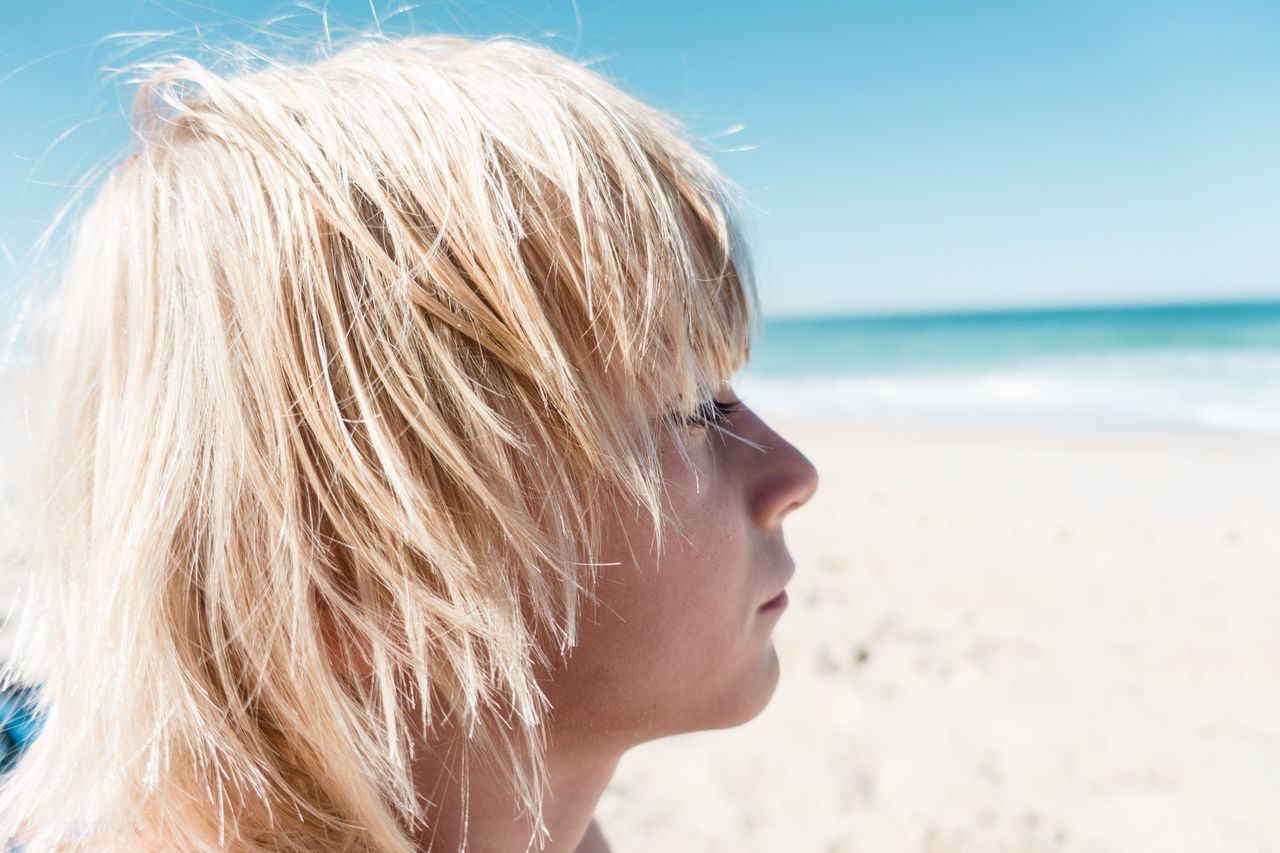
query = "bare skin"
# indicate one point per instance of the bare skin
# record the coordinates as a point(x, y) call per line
point(594, 841)
point(679, 641)
point(576, 782)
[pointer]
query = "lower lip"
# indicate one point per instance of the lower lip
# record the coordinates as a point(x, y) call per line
point(776, 604)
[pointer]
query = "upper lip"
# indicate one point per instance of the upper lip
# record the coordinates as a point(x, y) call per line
point(789, 572)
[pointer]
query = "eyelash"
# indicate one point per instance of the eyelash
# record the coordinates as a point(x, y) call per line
point(712, 413)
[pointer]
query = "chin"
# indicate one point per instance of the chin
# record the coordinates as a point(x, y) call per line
point(750, 694)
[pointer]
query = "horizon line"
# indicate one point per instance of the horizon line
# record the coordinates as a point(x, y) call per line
point(905, 313)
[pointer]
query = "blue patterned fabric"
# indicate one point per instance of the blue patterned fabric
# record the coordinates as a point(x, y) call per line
point(19, 723)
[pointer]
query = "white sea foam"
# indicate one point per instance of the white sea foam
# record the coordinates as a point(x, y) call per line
point(1237, 390)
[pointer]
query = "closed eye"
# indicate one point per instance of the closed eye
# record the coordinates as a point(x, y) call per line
point(712, 413)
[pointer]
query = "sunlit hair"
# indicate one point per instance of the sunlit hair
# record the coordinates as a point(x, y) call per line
point(348, 364)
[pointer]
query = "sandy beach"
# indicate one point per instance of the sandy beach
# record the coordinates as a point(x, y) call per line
point(1003, 640)
point(998, 640)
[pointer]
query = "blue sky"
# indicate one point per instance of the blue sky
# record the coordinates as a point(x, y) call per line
point(896, 156)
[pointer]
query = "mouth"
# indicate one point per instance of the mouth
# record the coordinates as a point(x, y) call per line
point(779, 601)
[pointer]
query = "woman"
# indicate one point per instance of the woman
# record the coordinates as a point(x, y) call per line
point(396, 484)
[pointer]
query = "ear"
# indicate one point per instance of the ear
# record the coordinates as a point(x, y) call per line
point(347, 649)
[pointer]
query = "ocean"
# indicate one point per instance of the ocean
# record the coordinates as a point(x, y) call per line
point(1212, 366)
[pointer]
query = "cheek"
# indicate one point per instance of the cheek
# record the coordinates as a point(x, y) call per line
point(685, 609)
point(689, 600)
point(669, 634)
point(673, 641)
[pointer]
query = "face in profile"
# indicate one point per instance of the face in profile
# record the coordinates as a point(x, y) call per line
point(680, 639)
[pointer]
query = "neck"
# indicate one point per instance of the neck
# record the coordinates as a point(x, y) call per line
point(577, 776)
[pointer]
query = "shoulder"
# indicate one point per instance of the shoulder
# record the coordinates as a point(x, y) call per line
point(593, 840)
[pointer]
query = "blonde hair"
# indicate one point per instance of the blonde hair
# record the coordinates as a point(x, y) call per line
point(357, 348)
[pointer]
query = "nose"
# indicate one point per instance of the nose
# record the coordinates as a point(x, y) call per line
point(785, 481)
